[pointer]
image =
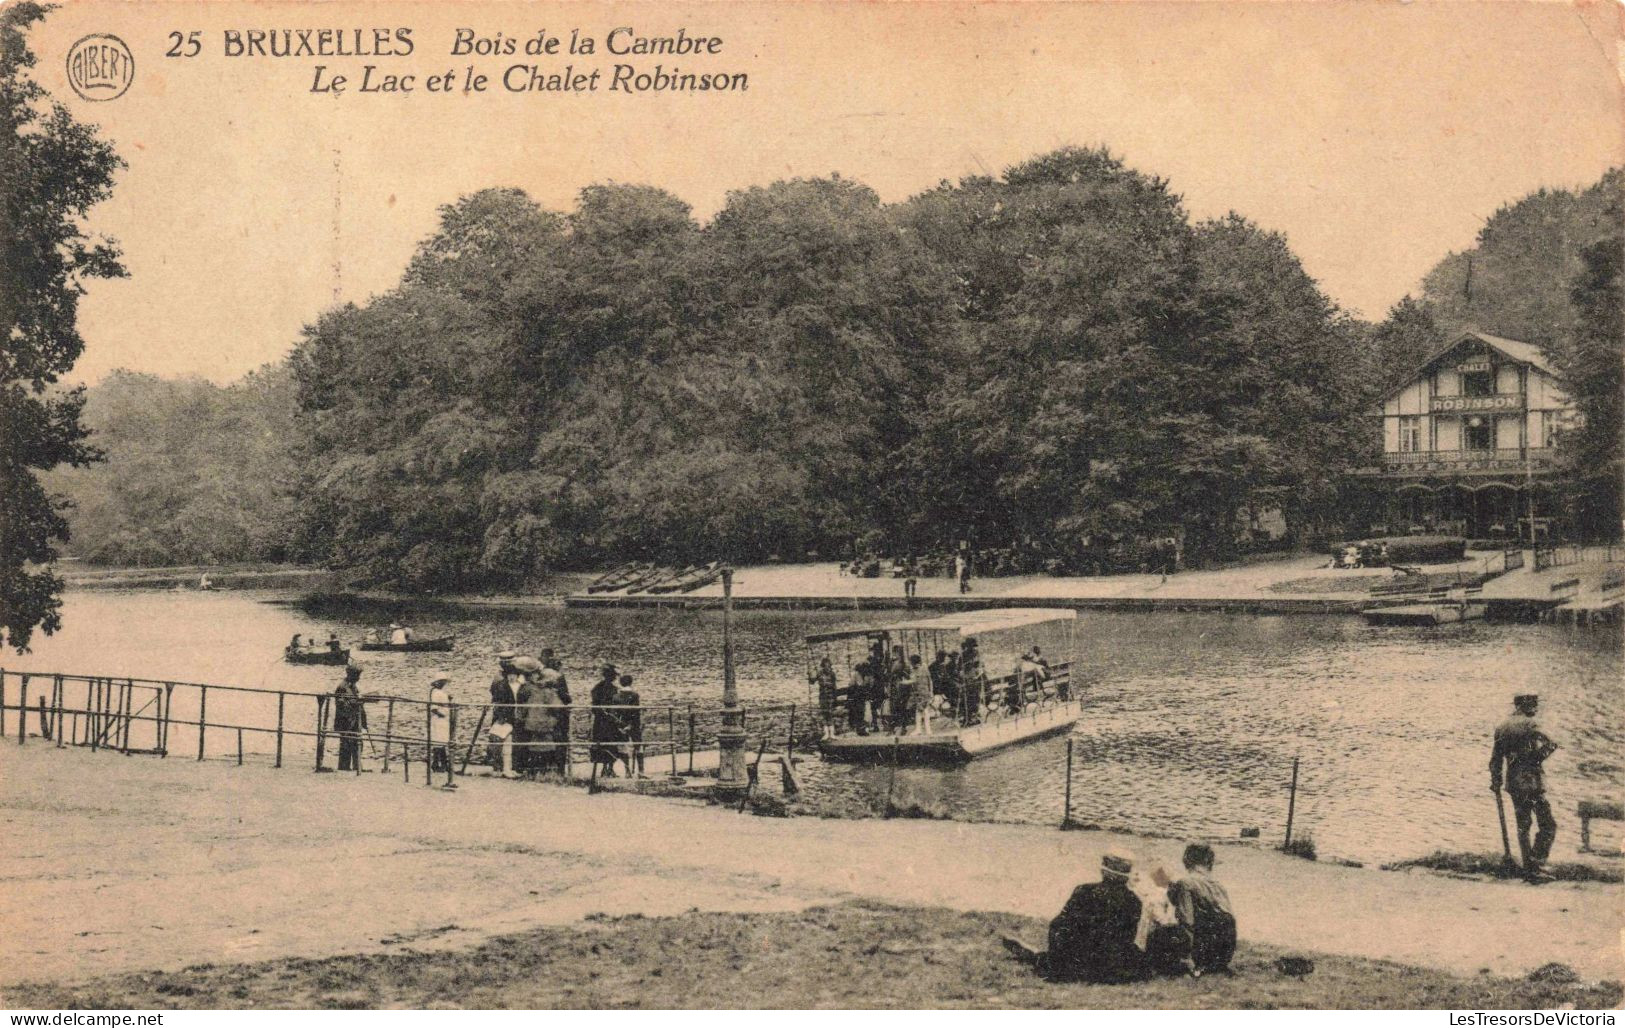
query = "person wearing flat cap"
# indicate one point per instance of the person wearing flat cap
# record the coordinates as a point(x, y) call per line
point(1092, 938)
point(439, 710)
point(349, 719)
point(530, 724)
point(1521, 748)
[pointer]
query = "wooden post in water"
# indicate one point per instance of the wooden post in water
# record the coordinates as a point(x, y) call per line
point(2, 702)
point(22, 714)
point(671, 737)
point(891, 782)
point(126, 709)
point(281, 699)
point(93, 699)
point(1291, 803)
point(44, 721)
point(1066, 809)
point(202, 717)
point(790, 740)
point(60, 722)
point(691, 738)
point(389, 731)
point(239, 747)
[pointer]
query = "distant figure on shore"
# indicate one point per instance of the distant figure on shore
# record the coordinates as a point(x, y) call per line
point(439, 711)
point(399, 636)
point(962, 571)
point(605, 723)
point(1522, 748)
point(349, 719)
point(503, 696)
point(1092, 938)
point(1203, 908)
point(204, 583)
point(631, 719)
point(911, 581)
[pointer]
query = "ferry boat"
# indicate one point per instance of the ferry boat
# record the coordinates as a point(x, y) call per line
point(1441, 607)
point(992, 710)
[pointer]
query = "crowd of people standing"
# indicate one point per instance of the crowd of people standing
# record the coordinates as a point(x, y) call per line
point(528, 731)
point(889, 691)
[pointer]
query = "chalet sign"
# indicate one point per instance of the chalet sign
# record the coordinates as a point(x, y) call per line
point(1464, 466)
point(1498, 402)
point(1473, 364)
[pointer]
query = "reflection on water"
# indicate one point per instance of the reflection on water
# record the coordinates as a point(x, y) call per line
point(1191, 724)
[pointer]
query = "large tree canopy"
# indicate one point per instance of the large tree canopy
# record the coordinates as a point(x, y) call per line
point(52, 171)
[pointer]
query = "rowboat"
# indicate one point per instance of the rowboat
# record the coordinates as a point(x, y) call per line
point(1028, 703)
point(440, 645)
point(333, 658)
point(688, 579)
point(621, 579)
point(599, 583)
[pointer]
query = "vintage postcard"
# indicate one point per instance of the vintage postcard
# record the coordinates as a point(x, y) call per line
point(811, 505)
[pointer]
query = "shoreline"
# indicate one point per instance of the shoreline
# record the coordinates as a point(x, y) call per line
point(368, 863)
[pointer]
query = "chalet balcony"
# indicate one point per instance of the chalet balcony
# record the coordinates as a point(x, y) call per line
point(1515, 460)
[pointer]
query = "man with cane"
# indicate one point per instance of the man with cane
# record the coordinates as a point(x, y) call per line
point(1522, 748)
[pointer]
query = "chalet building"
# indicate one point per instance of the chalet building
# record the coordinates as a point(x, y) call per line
point(1468, 444)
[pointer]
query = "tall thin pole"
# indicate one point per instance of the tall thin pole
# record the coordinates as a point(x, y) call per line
point(732, 778)
point(281, 700)
point(1066, 809)
point(202, 718)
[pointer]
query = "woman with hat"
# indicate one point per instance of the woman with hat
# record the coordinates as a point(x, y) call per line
point(606, 726)
point(439, 711)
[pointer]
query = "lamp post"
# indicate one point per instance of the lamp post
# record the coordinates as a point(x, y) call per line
point(731, 776)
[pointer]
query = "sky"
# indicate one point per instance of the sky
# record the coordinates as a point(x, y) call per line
point(1376, 136)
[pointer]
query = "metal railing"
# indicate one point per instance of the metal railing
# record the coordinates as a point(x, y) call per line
point(141, 716)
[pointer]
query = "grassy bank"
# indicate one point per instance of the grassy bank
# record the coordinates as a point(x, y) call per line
point(852, 955)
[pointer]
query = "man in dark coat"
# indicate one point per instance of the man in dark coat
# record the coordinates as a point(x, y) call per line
point(606, 724)
point(1092, 938)
point(1522, 748)
point(349, 719)
point(526, 754)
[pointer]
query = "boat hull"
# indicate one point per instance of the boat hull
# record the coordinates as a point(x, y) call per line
point(322, 657)
point(1425, 614)
point(415, 646)
point(956, 747)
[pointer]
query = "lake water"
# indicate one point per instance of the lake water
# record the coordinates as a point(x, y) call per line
point(1190, 727)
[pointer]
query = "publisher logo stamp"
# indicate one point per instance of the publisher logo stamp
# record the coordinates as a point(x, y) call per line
point(100, 67)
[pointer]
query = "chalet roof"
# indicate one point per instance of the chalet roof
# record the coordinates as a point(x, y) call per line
point(965, 622)
point(1513, 349)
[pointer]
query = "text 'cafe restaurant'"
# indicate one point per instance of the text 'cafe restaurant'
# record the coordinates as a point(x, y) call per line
point(1468, 443)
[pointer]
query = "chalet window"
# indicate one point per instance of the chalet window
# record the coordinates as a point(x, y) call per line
point(1478, 383)
point(1477, 433)
point(1410, 434)
point(1550, 428)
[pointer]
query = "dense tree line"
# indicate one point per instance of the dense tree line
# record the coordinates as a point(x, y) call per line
point(1052, 357)
point(193, 472)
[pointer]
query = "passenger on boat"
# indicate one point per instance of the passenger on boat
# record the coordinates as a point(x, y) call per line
point(399, 636)
point(297, 643)
point(972, 682)
point(922, 695)
point(1092, 938)
point(372, 637)
point(333, 644)
point(605, 723)
point(824, 679)
point(857, 698)
point(439, 711)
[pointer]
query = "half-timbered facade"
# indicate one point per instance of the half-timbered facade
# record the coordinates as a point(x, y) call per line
point(1468, 442)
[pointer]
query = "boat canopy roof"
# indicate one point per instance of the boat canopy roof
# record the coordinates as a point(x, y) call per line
point(963, 623)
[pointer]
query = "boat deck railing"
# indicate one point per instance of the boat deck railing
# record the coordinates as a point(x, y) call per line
point(1039, 696)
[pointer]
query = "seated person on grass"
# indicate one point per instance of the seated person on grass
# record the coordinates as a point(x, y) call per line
point(1203, 908)
point(1092, 938)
